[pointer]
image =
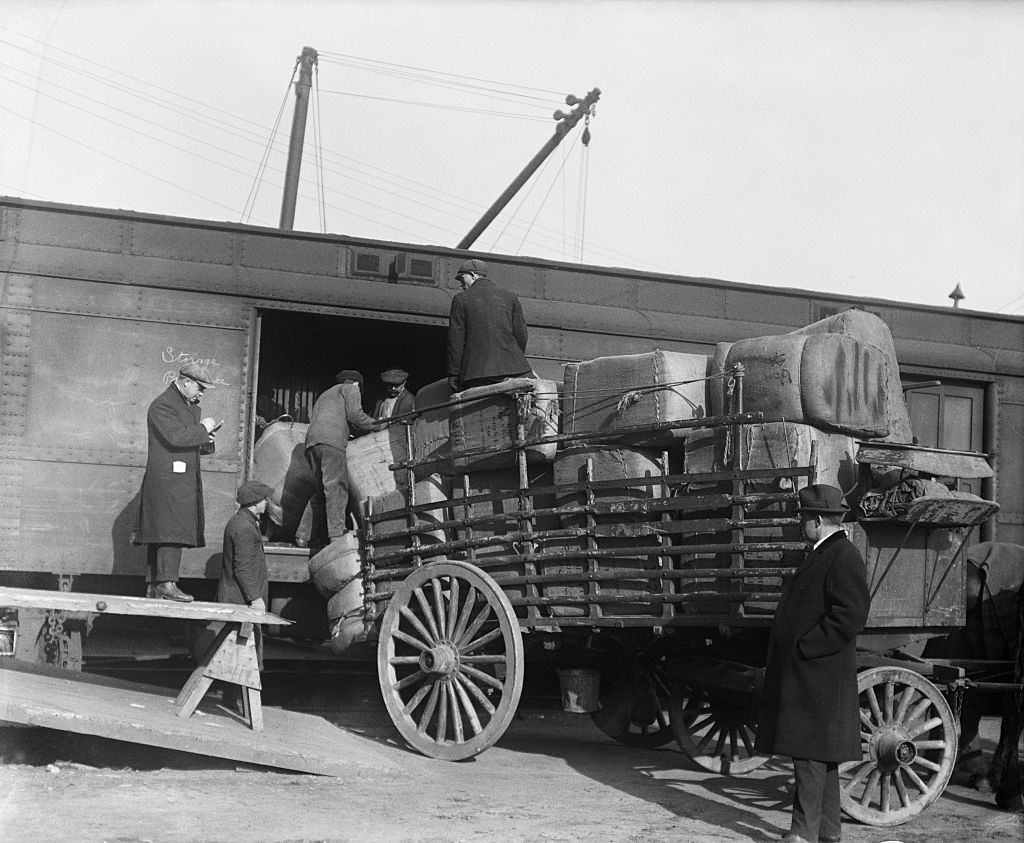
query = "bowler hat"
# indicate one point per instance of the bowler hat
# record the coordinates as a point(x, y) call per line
point(475, 265)
point(823, 498)
point(394, 376)
point(252, 491)
point(200, 374)
point(349, 375)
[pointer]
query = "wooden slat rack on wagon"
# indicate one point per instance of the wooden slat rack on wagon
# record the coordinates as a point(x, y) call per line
point(647, 544)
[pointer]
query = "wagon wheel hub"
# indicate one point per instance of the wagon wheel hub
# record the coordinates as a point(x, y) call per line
point(892, 748)
point(442, 660)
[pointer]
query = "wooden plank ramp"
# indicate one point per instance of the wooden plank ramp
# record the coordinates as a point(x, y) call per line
point(41, 695)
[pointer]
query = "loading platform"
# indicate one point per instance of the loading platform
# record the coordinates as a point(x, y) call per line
point(51, 697)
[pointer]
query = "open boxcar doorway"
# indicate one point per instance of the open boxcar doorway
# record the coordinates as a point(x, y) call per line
point(299, 354)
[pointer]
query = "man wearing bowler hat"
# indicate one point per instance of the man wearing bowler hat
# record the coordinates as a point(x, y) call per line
point(809, 708)
point(486, 331)
point(338, 408)
point(171, 512)
point(398, 400)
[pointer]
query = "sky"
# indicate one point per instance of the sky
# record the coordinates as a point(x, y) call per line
point(866, 148)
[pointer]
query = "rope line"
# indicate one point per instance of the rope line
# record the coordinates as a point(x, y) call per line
point(261, 168)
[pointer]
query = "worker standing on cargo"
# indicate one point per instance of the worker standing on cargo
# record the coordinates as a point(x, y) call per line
point(486, 331)
point(398, 400)
point(809, 708)
point(337, 408)
point(171, 501)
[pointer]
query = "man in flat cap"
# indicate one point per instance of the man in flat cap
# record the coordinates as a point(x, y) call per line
point(336, 411)
point(486, 331)
point(397, 400)
point(809, 708)
point(171, 512)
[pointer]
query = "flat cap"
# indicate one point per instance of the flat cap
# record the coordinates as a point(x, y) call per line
point(200, 374)
point(394, 376)
point(349, 375)
point(476, 266)
point(252, 491)
point(822, 498)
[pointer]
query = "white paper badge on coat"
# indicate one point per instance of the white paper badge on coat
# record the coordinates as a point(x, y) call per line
point(178, 467)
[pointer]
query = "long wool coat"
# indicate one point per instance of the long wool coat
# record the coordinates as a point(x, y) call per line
point(809, 707)
point(486, 333)
point(171, 502)
point(243, 570)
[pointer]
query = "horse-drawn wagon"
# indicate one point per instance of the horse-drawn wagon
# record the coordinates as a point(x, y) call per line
point(663, 574)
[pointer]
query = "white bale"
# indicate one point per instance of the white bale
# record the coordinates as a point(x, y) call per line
point(279, 460)
point(610, 393)
point(368, 459)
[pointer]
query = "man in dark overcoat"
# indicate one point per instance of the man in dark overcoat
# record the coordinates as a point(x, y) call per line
point(809, 709)
point(243, 568)
point(336, 411)
point(171, 514)
point(486, 331)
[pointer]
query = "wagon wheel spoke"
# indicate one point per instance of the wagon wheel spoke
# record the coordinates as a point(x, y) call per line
point(467, 704)
point(404, 660)
point(408, 639)
point(441, 731)
point(456, 710)
point(866, 767)
point(482, 658)
point(474, 627)
point(481, 641)
point(475, 692)
point(453, 607)
point(927, 726)
point(486, 678)
point(916, 779)
point(428, 712)
point(442, 620)
point(928, 765)
point(708, 737)
point(428, 615)
point(411, 679)
point(906, 698)
point(865, 798)
point(416, 624)
point(876, 712)
point(901, 788)
point(885, 800)
point(464, 615)
point(887, 701)
point(418, 697)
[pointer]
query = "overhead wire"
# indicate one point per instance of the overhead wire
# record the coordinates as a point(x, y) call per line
point(442, 106)
point(318, 148)
point(421, 188)
point(540, 207)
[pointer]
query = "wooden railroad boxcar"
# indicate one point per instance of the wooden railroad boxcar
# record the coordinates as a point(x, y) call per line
point(99, 308)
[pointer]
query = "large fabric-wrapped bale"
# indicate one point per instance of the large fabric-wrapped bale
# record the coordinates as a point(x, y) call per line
point(336, 565)
point(279, 460)
point(717, 385)
point(368, 459)
point(777, 445)
point(488, 417)
point(610, 393)
point(608, 462)
point(867, 328)
point(430, 430)
point(829, 381)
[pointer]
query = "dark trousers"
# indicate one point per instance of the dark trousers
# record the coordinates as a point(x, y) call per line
point(163, 561)
point(330, 500)
point(816, 799)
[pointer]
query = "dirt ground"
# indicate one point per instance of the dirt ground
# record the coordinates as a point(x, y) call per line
point(552, 777)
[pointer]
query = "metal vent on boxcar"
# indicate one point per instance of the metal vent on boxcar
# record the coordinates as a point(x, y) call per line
point(421, 269)
point(367, 263)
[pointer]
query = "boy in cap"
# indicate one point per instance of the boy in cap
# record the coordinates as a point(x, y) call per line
point(486, 331)
point(326, 452)
point(809, 708)
point(397, 400)
point(171, 500)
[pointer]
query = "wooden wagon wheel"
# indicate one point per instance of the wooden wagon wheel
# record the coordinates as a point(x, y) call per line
point(909, 737)
point(450, 660)
point(635, 695)
point(715, 730)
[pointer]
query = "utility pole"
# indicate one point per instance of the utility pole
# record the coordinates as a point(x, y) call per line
point(291, 176)
point(566, 122)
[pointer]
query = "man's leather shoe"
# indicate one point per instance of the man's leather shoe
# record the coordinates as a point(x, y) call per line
point(150, 589)
point(170, 591)
point(824, 839)
point(790, 837)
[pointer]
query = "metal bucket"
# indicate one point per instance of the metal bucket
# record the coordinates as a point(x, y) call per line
point(579, 689)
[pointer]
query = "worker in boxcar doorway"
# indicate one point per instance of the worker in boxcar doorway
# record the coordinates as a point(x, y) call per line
point(171, 513)
point(397, 400)
point(335, 413)
point(809, 708)
point(486, 331)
